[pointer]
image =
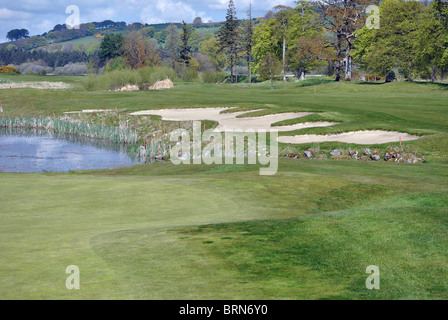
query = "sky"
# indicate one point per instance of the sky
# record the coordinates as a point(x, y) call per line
point(39, 16)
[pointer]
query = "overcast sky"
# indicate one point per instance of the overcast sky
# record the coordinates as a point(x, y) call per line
point(39, 16)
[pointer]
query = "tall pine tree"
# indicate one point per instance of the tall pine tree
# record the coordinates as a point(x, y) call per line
point(228, 37)
point(185, 48)
point(247, 40)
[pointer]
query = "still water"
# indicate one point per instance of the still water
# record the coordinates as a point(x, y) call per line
point(31, 151)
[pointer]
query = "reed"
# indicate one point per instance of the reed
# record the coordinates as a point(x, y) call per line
point(115, 134)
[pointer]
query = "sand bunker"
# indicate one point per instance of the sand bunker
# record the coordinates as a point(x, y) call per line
point(356, 137)
point(89, 111)
point(36, 85)
point(229, 121)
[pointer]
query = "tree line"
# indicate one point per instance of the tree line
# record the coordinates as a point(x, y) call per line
point(17, 56)
point(333, 36)
point(329, 36)
point(411, 39)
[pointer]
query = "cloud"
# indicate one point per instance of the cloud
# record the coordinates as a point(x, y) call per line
point(243, 5)
point(170, 11)
point(7, 14)
point(40, 16)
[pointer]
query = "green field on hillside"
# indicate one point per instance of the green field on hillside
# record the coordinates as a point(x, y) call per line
point(161, 231)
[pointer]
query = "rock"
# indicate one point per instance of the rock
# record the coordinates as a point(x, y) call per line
point(394, 156)
point(336, 153)
point(375, 157)
point(308, 154)
point(353, 154)
point(389, 155)
point(367, 152)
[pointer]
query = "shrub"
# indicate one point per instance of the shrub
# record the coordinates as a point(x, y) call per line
point(212, 76)
point(9, 69)
point(35, 69)
point(150, 75)
point(192, 74)
point(117, 64)
point(119, 78)
point(72, 69)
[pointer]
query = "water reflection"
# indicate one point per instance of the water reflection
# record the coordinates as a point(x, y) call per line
point(39, 151)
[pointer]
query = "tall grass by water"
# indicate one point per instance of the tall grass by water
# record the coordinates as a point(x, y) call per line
point(114, 134)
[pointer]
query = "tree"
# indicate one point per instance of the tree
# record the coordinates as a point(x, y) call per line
point(305, 40)
point(393, 45)
point(270, 66)
point(149, 32)
point(248, 34)
point(281, 15)
point(197, 22)
point(153, 57)
point(59, 27)
point(431, 42)
point(342, 19)
point(17, 34)
point(185, 48)
point(112, 47)
point(210, 47)
point(195, 38)
point(263, 43)
point(309, 53)
point(11, 47)
point(135, 45)
point(171, 44)
point(266, 51)
point(228, 37)
point(440, 8)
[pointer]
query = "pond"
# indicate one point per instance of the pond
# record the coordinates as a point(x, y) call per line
point(33, 151)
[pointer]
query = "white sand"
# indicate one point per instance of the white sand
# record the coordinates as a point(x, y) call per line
point(356, 137)
point(36, 85)
point(89, 111)
point(229, 121)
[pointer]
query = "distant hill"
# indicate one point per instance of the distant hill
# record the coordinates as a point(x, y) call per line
point(89, 36)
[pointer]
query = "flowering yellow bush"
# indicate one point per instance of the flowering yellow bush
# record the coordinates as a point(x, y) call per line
point(8, 69)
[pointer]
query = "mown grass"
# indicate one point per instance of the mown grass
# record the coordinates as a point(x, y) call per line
point(200, 232)
point(224, 232)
